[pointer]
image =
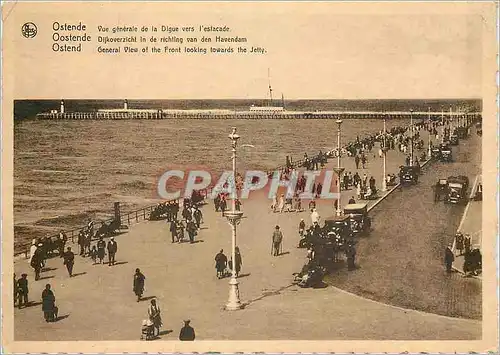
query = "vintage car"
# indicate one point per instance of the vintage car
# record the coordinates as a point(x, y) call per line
point(408, 174)
point(454, 139)
point(446, 154)
point(359, 222)
point(436, 152)
point(339, 226)
point(457, 187)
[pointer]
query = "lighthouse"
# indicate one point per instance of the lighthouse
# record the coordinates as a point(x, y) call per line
point(125, 104)
point(62, 106)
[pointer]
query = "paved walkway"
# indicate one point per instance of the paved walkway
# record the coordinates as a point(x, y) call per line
point(98, 304)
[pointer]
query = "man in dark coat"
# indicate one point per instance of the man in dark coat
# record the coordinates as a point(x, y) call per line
point(48, 304)
point(187, 332)
point(198, 216)
point(448, 258)
point(138, 287)
point(351, 255)
point(36, 261)
point(173, 230)
point(112, 249)
point(220, 263)
point(22, 290)
point(101, 249)
point(191, 229)
point(81, 242)
point(69, 261)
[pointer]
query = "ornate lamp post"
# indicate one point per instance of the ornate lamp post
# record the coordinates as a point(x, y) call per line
point(384, 150)
point(338, 170)
point(429, 150)
point(234, 218)
point(411, 133)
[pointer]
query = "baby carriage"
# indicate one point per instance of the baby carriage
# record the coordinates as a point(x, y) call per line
point(147, 331)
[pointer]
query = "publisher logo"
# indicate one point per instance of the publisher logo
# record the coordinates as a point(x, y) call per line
point(29, 30)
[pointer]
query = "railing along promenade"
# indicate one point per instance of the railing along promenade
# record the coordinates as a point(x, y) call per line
point(159, 114)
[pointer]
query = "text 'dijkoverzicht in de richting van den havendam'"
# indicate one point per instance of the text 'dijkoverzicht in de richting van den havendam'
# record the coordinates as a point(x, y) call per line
point(148, 39)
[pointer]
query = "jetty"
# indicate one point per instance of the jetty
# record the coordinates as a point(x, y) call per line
point(253, 112)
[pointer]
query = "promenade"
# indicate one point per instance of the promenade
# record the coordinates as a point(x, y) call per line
point(98, 304)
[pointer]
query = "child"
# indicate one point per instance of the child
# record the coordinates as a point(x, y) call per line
point(93, 254)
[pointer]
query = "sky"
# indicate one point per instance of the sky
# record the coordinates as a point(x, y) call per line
point(314, 50)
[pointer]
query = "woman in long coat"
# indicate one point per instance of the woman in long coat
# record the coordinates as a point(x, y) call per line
point(139, 279)
point(48, 304)
point(101, 249)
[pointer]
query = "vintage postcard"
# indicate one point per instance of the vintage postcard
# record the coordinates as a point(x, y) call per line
point(249, 177)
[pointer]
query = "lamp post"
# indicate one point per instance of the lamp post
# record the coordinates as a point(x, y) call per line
point(339, 169)
point(384, 150)
point(442, 125)
point(429, 150)
point(234, 218)
point(411, 136)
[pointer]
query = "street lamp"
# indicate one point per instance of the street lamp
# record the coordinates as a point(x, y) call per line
point(339, 169)
point(429, 150)
point(384, 150)
point(234, 218)
point(411, 133)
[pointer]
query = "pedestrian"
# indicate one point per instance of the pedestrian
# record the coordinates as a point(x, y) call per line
point(101, 247)
point(449, 257)
point(274, 204)
point(36, 261)
point(281, 205)
point(33, 248)
point(48, 304)
point(319, 188)
point(154, 314)
point(112, 249)
point(223, 205)
point(351, 200)
point(81, 242)
point(302, 227)
point(220, 264)
point(363, 161)
point(356, 160)
point(191, 229)
point(351, 255)
point(237, 204)
point(22, 291)
point(187, 332)
point(69, 261)
point(173, 231)
point(459, 243)
point(138, 286)
point(315, 217)
point(198, 216)
point(277, 240)
point(239, 261)
point(93, 254)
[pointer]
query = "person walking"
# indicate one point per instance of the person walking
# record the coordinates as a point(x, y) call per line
point(191, 229)
point(173, 231)
point(69, 261)
point(36, 261)
point(48, 304)
point(198, 217)
point(138, 286)
point(154, 314)
point(187, 332)
point(277, 240)
point(101, 247)
point(356, 161)
point(112, 249)
point(449, 257)
point(81, 242)
point(315, 217)
point(22, 291)
point(281, 205)
point(220, 263)
point(239, 261)
point(351, 255)
point(302, 227)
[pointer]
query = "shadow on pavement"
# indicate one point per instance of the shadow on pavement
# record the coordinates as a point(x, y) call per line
point(61, 318)
point(121, 262)
point(46, 277)
point(243, 275)
point(79, 274)
point(147, 298)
